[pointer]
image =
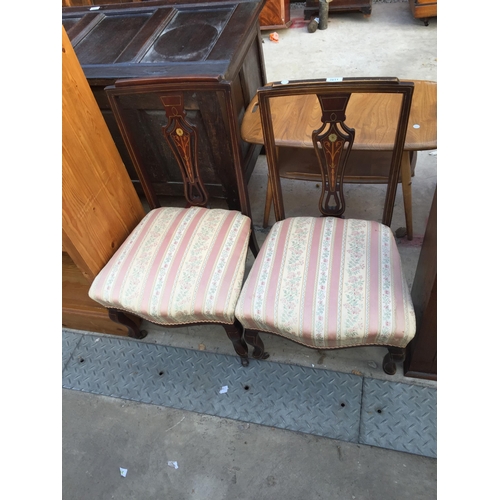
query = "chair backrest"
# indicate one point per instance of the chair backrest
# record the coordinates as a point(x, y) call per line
point(334, 140)
point(148, 108)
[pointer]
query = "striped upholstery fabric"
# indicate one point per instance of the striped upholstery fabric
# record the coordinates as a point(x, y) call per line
point(328, 282)
point(178, 266)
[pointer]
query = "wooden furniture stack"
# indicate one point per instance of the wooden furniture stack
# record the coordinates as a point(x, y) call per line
point(99, 204)
point(188, 40)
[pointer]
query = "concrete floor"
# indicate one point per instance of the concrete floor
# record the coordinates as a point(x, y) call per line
point(222, 459)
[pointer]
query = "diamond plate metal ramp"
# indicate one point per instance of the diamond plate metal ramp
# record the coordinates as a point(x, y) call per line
point(399, 416)
point(296, 398)
point(69, 342)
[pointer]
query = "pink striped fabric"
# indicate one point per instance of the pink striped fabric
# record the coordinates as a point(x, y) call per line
point(328, 282)
point(178, 266)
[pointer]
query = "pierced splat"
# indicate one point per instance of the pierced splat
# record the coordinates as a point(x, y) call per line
point(333, 144)
point(183, 140)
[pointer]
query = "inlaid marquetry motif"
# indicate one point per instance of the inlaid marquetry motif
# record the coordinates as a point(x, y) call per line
point(332, 151)
point(333, 143)
point(183, 143)
point(183, 140)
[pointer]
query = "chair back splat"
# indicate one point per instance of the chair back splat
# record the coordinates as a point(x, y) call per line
point(183, 141)
point(333, 144)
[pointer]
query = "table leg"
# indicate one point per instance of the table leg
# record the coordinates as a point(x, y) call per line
point(406, 184)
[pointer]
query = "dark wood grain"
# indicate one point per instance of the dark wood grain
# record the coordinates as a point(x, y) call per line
point(82, 27)
point(98, 47)
point(421, 359)
point(139, 45)
point(194, 42)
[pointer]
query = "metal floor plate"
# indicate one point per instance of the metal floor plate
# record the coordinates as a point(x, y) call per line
point(297, 398)
point(399, 416)
point(69, 342)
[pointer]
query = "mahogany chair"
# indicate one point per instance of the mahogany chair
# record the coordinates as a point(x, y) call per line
point(180, 265)
point(329, 282)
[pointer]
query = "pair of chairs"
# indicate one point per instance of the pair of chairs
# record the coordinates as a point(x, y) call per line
point(324, 282)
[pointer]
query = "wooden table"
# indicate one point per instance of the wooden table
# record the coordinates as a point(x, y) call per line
point(373, 116)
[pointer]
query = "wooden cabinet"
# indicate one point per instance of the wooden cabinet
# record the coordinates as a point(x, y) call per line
point(99, 204)
point(185, 40)
point(364, 6)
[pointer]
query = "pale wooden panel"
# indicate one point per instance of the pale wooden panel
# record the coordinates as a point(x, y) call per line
point(100, 205)
point(373, 116)
point(79, 311)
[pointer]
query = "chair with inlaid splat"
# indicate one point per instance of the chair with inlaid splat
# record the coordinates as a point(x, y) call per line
point(330, 282)
point(181, 265)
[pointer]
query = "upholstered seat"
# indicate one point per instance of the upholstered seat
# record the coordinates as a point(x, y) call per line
point(329, 283)
point(178, 266)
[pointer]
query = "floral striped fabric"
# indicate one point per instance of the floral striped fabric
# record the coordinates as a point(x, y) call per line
point(178, 266)
point(328, 282)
